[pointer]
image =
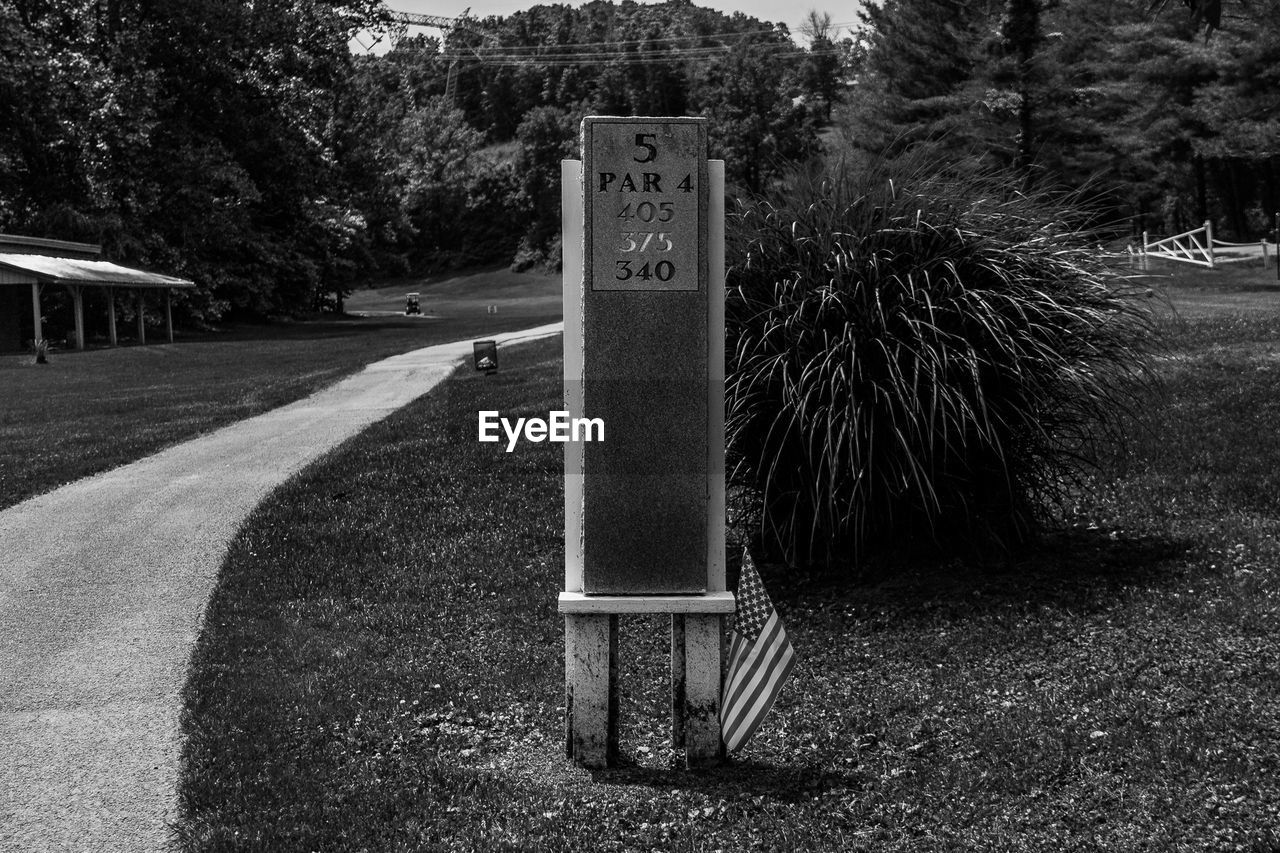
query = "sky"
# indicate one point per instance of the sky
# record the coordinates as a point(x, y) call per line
point(844, 13)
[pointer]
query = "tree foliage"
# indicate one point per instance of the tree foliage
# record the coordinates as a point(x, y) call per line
point(241, 144)
point(195, 136)
point(1171, 113)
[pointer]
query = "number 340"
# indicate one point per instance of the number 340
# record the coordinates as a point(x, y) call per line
point(662, 271)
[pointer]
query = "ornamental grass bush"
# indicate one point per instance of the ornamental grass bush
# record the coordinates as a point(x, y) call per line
point(918, 357)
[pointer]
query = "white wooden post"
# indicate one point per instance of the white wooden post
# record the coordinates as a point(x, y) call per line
point(702, 740)
point(37, 327)
point(576, 629)
point(697, 668)
point(1208, 241)
point(715, 379)
point(571, 213)
point(142, 319)
point(679, 693)
point(592, 642)
point(111, 315)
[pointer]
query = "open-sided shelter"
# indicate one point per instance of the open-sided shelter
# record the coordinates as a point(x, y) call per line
point(29, 264)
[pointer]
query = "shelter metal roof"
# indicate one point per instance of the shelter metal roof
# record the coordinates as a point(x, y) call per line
point(53, 270)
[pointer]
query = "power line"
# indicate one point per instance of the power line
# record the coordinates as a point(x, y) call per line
point(638, 41)
point(621, 59)
point(653, 50)
point(549, 54)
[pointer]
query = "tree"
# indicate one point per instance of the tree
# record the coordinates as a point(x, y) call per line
point(920, 61)
point(754, 127)
point(820, 74)
point(547, 135)
point(195, 135)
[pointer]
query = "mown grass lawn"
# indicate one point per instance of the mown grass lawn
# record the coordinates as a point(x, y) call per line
point(381, 667)
point(89, 411)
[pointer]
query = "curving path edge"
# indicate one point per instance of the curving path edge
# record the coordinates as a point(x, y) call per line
point(103, 586)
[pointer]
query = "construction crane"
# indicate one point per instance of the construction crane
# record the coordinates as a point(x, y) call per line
point(438, 22)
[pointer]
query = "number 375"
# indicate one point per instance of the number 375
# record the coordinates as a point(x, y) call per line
point(639, 241)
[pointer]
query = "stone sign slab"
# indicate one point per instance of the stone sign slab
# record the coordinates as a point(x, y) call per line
point(645, 355)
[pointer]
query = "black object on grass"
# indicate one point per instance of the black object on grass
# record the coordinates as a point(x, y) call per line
point(486, 355)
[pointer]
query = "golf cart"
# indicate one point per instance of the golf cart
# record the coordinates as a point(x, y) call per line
point(411, 305)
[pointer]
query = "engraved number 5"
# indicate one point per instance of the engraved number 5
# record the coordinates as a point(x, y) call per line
point(649, 146)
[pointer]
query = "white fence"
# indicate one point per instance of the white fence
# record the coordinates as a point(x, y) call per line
point(1199, 247)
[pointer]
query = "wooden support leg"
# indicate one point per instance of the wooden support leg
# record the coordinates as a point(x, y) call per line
point(570, 655)
point(111, 316)
point(703, 745)
point(591, 673)
point(677, 680)
point(168, 314)
point(142, 320)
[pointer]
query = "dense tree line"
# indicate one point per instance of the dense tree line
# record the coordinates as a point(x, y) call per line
point(196, 136)
point(243, 145)
point(520, 86)
point(1169, 111)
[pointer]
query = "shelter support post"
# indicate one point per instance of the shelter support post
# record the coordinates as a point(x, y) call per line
point(77, 301)
point(111, 316)
point(142, 320)
point(37, 327)
point(168, 314)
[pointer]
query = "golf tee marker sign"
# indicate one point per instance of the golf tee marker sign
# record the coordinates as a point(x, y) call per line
point(643, 237)
point(645, 355)
point(647, 228)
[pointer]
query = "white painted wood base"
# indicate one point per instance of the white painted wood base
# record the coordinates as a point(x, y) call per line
point(709, 602)
point(591, 685)
point(702, 744)
point(591, 694)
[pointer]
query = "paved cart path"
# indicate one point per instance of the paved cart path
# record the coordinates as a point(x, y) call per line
point(103, 584)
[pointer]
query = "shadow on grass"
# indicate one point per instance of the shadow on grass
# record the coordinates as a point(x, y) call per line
point(734, 778)
point(1084, 571)
point(347, 324)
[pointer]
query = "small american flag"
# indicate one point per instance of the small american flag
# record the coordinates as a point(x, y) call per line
point(760, 659)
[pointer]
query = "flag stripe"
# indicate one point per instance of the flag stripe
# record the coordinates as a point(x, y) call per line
point(754, 657)
point(747, 664)
point(742, 732)
point(760, 660)
point(747, 685)
point(750, 701)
